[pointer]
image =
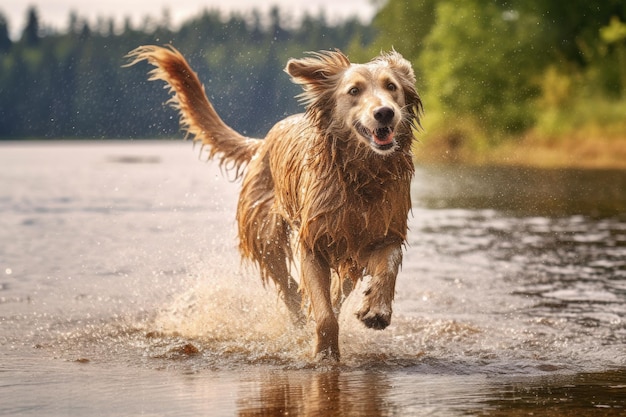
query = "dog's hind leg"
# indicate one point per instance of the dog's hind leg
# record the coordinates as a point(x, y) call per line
point(264, 238)
point(272, 254)
point(274, 262)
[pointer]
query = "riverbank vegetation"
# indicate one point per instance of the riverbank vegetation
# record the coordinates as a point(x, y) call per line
point(537, 82)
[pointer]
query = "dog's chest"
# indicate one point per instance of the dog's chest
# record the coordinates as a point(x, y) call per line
point(343, 218)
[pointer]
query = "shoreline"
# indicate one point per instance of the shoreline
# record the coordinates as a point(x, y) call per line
point(576, 152)
point(556, 153)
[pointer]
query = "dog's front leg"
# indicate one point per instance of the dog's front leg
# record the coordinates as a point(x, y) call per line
point(379, 289)
point(316, 279)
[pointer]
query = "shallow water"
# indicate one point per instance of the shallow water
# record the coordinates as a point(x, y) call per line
point(122, 293)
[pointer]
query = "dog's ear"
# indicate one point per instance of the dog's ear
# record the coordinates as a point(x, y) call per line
point(317, 69)
point(404, 71)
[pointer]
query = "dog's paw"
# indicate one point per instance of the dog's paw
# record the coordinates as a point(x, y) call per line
point(373, 311)
point(377, 319)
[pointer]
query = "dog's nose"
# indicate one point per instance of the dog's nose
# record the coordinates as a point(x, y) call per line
point(383, 114)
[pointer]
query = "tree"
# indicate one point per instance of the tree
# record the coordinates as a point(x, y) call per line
point(569, 30)
point(30, 35)
point(404, 25)
point(5, 39)
point(280, 34)
point(476, 64)
point(615, 33)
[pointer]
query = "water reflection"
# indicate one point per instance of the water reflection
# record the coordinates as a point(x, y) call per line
point(588, 394)
point(317, 393)
point(388, 392)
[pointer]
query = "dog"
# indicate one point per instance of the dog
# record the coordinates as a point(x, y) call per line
point(329, 187)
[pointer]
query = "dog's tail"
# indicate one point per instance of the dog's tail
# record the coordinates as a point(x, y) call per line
point(197, 115)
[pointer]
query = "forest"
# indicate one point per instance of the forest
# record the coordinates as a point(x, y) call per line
point(493, 74)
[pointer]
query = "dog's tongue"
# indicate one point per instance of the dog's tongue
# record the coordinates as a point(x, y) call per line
point(383, 136)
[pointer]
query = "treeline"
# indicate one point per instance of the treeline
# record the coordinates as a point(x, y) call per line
point(489, 71)
point(72, 84)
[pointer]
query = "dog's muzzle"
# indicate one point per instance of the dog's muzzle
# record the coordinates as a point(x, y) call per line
point(381, 138)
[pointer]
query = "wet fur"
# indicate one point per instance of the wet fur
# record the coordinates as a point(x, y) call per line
point(330, 186)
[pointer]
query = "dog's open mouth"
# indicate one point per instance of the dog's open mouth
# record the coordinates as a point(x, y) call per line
point(381, 138)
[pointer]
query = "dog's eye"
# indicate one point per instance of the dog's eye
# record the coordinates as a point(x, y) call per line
point(353, 91)
point(391, 87)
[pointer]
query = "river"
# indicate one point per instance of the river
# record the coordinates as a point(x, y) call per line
point(122, 294)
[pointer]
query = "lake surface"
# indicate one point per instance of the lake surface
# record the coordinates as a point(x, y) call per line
point(122, 293)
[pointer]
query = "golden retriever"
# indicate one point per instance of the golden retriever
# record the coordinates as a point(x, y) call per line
point(330, 186)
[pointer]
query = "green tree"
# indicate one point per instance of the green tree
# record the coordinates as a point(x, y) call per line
point(476, 65)
point(615, 34)
point(403, 25)
point(569, 30)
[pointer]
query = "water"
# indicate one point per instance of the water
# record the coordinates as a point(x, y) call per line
point(122, 293)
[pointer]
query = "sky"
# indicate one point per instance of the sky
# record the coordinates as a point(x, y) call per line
point(55, 13)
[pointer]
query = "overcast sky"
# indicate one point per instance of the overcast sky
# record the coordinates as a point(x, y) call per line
point(55, 13)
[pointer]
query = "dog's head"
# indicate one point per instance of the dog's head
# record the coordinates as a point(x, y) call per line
point(375, 102)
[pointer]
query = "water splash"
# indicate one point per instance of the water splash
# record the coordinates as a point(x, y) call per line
point(228, 313)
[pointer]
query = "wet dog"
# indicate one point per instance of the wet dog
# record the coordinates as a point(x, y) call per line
point(329, 187)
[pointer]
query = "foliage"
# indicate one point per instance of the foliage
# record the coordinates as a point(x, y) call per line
point(479, 58)
point(615, 34)
point(402, 25)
